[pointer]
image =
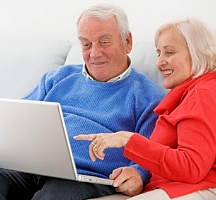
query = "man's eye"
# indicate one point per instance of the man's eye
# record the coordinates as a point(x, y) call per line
point(86, 45)
point(105, 42)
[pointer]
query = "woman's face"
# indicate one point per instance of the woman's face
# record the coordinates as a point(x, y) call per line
point(174, 60)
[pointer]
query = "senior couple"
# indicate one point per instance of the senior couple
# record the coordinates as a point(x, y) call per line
point(122, 125)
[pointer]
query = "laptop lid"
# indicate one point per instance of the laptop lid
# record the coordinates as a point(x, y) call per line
point(33, 139)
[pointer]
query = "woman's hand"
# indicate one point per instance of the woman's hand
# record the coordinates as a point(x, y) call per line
point(102, 141)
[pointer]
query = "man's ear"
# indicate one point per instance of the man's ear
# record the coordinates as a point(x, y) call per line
point(129, 43)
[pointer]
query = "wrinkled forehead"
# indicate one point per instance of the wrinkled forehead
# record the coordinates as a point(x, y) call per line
point(94, 27)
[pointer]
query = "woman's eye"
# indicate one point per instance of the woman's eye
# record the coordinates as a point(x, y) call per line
point(169, 52)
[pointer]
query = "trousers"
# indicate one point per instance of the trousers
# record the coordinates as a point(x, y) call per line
point(18, 185)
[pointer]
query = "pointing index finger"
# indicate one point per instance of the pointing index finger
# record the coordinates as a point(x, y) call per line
point(88, 137)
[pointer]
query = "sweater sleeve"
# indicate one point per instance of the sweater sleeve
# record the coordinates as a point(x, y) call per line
point(39, 91)
point(145, 174)
point(50, 79)
point(194, 154)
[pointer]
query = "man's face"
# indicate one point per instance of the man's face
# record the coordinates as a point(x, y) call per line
point(104, 52)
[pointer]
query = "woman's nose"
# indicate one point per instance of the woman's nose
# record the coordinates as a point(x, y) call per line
point(161, 61)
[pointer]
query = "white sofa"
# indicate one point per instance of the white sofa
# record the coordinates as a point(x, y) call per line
point(23, 61)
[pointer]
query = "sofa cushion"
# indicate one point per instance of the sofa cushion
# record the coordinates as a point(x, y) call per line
point(143, 58)
point(112, 197)
point(23, 61)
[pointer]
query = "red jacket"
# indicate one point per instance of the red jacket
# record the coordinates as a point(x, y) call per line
point(181, 153)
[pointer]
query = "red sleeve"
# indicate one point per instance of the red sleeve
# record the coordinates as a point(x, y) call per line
point(195, 151)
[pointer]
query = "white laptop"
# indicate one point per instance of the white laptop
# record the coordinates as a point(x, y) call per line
point(33, 138)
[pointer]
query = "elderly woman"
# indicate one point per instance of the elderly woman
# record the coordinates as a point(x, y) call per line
point(180, 153)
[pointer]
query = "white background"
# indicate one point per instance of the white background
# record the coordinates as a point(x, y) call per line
point(35, 35)
point(57, 18)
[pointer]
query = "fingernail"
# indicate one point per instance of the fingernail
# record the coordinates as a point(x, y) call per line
point(115, 184)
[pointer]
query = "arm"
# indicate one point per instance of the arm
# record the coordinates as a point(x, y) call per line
point(129, 179)
point(104, 140)
point(183, 142)
point(40, 90)
point(194, 128)
point(48, 81)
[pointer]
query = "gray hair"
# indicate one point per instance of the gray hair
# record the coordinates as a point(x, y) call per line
point(200, 41)
point(105, 10)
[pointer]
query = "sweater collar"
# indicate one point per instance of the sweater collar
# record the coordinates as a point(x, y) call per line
point(175, 96)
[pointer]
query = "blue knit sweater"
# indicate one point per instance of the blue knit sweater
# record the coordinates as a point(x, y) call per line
point(91, 107)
